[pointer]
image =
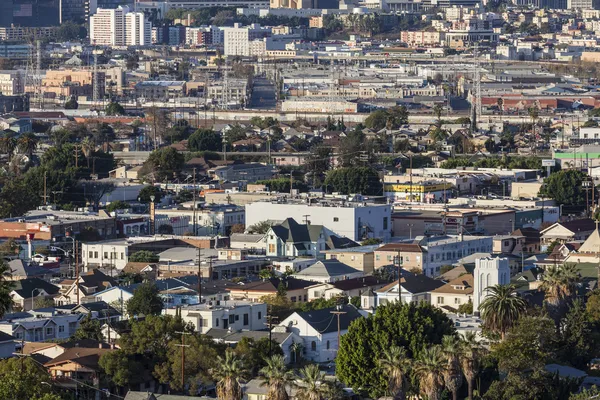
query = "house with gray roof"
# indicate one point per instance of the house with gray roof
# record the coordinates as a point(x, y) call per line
point(291, 239)
point(329, 271)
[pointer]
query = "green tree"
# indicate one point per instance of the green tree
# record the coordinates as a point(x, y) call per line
point(200, 357)
point(123, 369)
point(470, 360)
point(145, 300)
point(560, 283)
point(145, 195)
point(6, 287)
point(586, 394)
point(144, 256)
point(411, 326)
point(229, 374)
point(396, 365)
point(565, 187)
point(163, 164)
point(318, 163)
point(592, 305)
point(501, 308)
point(429, 368)
point(27, 143)
point(282, 185)
point(70, 31)
point(165, 229)
point(204, 140)
point(360, 180)
point(42, 302)
point(24, 379)
point(312, 385)
point(452, 349)
point(260, 227)
point(370, 241)
point(256, 352)
point(117, 205)
point(114, 108)
point(89, 329)
point(579, 340)
point(276, 376)
point(71, 104)
point(377, 120)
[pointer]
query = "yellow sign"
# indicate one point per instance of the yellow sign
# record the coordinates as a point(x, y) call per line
point(416, 187)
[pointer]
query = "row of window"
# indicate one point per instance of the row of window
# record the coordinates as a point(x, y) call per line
point(440, 300)
point(107, 255)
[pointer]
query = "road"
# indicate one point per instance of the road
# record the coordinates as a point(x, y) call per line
point(263, 95)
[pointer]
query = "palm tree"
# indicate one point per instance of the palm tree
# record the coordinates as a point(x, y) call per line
point(501, 308)
point(552, 285)
point(8, 144)
point(276, 376)
point(469, 359)
point(87, 147)
point(429, 367)
point(571, 278)
point(229, 373)
point(311, 383)
point(27, 144)
point(452, 349)
point(396, 364)
point(296, 349)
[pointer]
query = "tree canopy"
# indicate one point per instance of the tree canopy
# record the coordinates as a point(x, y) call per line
point(412, 326)
point(144, 256)
point(204, 140)
point(359, 180)
point(565, 187)
point(145, 300)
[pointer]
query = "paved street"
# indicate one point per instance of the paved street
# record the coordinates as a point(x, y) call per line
point(263, 95)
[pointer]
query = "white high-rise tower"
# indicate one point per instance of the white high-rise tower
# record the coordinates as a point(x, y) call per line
point(488, 272)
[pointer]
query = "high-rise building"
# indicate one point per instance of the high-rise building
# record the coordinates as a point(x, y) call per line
point(74, 11)
point(236, 40)
point(581, 4)
point(119, 27)
point(29, 13)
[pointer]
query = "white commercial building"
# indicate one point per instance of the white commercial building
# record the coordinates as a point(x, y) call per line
point(120, 27)
point(236, 40)
point(354, 220)
point(234, 315)
point(111, 254)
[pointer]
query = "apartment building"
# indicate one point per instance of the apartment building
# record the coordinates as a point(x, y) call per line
point(237, 316)
point(236, 90)
point(69, 82)
point(237, 39)
point(120, 27)
point(19, 33)
point(422, 38)
point(12, 83)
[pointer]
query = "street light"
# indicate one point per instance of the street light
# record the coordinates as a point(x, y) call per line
point(410, 226)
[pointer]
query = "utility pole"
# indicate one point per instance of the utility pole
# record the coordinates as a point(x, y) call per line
point(199, 274)
point(338, 312)
point(76, 271)
point(183, 346)
point(45, 188)
point(194, 199)
point(269, 323)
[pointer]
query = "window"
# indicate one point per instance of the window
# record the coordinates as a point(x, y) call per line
point(217, 322)
point(231, 319)
point(456, 300)
point(313, 345)
point(106, 254)
point(335, 219)
point(328, 345)
point(246, 321)
point(237, 317)
point(440, 300)
point(61, 329)
point(385, 222)
point(95, 254)
point(122, 256)
point(259, 315)
point(293, 299)
point(91, 254)
point(49, 331)
point(377, 257)
point(271, 248)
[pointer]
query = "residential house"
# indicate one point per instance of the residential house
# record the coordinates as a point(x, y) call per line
point(348, 287)
point(414, 288)
point(26, 291)
point(20, 270)
point(7, 345)
point(559, 254)
point(319, 330)
point(86, 286)
point(453, 294)
point(327, 271)
point(360, 257)
point(568, 231)
point(37, 326)
point(232, 315)
point(100, 310)
point(46, 351)
point(77, 365)
point(295, 289)
point(291, 239)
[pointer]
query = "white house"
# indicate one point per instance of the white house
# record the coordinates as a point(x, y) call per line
point(234, 315)
point(116, 296)
point(488, 272)
point(328, 271)
point(40, 326)
point(414, 288)
point(319, 330)
point(107, 254)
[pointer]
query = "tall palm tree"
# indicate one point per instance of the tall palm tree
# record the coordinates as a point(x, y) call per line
point(87, 147)
point(552, 285)
point(311, 383)
point(429, 367)
point(276, 376)
point(571, 278)
point(296, 349)
point(27, 144)
point(395, 363)
point(229, 374)
point(470, 358)
point(8, 144)
point(501, 308)
point(452, 350)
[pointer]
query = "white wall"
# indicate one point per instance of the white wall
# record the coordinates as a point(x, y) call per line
point(488, 272)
